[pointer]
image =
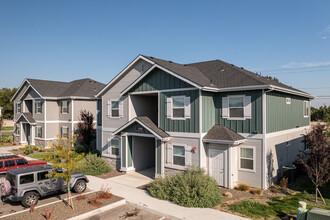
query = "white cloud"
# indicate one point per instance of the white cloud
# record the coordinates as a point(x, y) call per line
point(305, 64)
point(325, 34)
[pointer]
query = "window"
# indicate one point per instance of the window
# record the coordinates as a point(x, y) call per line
point(64, 107)
point(18, 107)
point(42, 176)
point(24, 179)
point(179, 155)
point(17, 131)
point(38, 107)
point(288, 101)
point(21, 162)
point(178, 107)
point(10, 163)
point(114, 109)
point(306, 109)
point(39, 132)
point(64, 132)
point(247, 158)
point(236, 107)
point(1, 164)
point(114, 147)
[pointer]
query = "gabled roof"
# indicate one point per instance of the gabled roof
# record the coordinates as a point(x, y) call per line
point(86, 88)
point(217, 76)
point(28, 117)
point(147, 124)
point(222, 134)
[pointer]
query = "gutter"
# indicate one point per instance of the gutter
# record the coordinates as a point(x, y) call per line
point(235, 143)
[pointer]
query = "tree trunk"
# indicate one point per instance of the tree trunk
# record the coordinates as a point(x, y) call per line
point(316, 194)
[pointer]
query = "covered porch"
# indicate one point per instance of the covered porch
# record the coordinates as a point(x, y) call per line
point(142, 147)
point(27, 127)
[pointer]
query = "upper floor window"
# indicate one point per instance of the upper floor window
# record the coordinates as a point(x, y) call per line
point(236, 107)
point(18, 107)
point(115, 109)
point(306, 109)
point(247, 158)
point(288, 101)
point(39, 132)
point(178, 107)
point(38, 107)
point(64, 132)
point(64, 107)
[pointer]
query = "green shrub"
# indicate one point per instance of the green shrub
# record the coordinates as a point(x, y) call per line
point(253, 209)
point(193, 188)
point(242, 187)
point(28, 149)
point(7, 138)
point(94, 165)
point(79, 149)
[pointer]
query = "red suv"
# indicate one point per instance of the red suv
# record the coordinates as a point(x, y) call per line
point(13, 161)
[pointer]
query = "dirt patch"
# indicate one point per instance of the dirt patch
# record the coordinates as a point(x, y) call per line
point(110, 174)
point(62, 211)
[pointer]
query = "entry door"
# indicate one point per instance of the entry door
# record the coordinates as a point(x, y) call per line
point(217, 165)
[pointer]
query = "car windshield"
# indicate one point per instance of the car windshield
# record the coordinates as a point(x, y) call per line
point(11, 178)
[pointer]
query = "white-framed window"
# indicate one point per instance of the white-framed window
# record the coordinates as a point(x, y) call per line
point(178, 107)
point(39, 132)
point(64, 107)
point(18, 107)
point(64, 131)
point(288, 101)
point(306, 109)
point(113, 147)
point(115, 108)
point(247, 158)
point(236, 107)
point(38, 107)
point(179, 155)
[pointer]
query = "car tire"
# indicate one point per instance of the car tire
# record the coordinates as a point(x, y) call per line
point(29, 198)
point(80, 186)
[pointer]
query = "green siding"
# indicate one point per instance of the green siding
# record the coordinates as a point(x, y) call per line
point(136, 128)
point(123, 151)
point(129, 151)
point(159, 80)
point(282, 116)
point(159, 157)
point(189, 125)
point(212, 105)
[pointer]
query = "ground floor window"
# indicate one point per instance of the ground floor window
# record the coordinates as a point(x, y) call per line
point(64, 132)
point(38, 132)
point(179, 155)
point(114, 147)
point(247, 158)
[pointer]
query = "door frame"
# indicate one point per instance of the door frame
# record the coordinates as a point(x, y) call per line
point(224, 164)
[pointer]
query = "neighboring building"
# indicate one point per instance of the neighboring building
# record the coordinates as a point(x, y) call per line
point(44, 109)
point(239, 126)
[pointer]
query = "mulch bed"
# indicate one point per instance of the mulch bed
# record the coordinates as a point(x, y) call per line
point(82, 204)
point(110, 174)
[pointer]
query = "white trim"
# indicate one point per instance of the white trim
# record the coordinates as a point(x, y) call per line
point(139, 134)
point(254, 159)
point(200, 115)
point(110, 116)
point(19, 88)
point(165, 70)
point(172, 107)
point(72, 117)
point(45, 116)
point(123, 71)
point(45, 139)
point(30, 86)
point(252, 136)
point(108, 129)
point(68, 122)
point(235, 118)
point(183, 134)
point(158, 110)
point(264, 133)
point(280, 89)
point(307, 108)
point(224, 141)
point(284, 132)
point(164, 90)
point(230, 184)
point(102, 122)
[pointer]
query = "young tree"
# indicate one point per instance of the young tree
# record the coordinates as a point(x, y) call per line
point(85, 129)
point(66, 159)
point(316, 159)
point(8, 107)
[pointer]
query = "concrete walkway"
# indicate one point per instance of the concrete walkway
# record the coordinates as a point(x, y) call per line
point(125, 186)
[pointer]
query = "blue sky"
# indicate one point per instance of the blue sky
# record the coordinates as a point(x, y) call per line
point(66, 40)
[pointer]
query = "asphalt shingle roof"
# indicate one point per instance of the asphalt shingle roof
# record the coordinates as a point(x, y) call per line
point(80, 88)
point(221, 132)
point(147, 122)
point(28, 117)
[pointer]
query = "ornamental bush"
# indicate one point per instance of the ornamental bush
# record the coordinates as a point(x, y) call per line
point(94, 165)
point(194, 188)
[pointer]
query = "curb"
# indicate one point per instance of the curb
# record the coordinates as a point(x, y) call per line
point(99, 210)
point(144, 207)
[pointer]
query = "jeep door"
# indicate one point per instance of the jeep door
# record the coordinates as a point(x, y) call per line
point(44, 182)
point(58, 183)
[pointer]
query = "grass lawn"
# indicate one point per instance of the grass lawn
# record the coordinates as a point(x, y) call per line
point(278, 207)
point(40, 156)
point(6, 135)
point(8, 128)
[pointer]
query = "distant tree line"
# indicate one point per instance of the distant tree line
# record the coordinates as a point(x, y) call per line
point(7, 106)
point(320, 114)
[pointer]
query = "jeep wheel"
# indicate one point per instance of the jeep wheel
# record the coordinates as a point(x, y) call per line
point(80, 186)
point(30, 198)
point(2, 178)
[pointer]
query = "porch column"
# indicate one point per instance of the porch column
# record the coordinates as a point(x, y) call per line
point(159, 170)
point(21, 133)
point(32, 134)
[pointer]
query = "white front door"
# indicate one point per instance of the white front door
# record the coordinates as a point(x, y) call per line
point(217, 165)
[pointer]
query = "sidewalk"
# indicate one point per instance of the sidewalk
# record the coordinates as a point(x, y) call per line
point(125, 186)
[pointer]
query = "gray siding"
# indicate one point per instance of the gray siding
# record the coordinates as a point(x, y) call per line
point(53, 110)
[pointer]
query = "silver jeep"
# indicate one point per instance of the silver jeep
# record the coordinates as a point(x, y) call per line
point(29, 184)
